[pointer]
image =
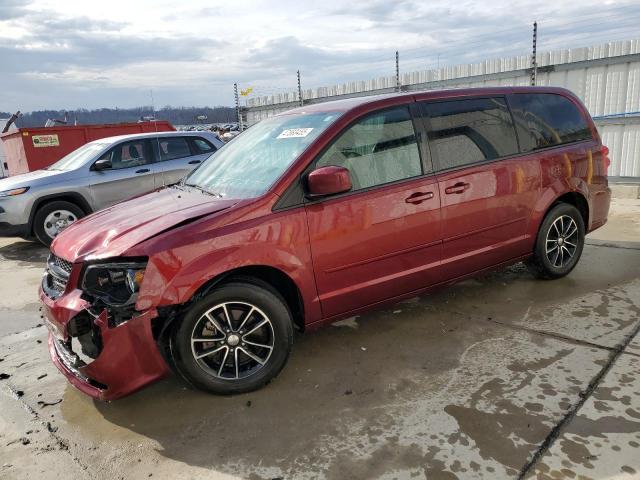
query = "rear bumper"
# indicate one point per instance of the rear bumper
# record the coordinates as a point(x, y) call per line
point(129, 358)
point(599, 206)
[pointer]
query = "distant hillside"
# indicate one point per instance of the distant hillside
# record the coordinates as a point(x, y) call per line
point(176, 115)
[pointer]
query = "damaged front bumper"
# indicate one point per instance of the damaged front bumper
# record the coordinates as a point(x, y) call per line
point(126, 358)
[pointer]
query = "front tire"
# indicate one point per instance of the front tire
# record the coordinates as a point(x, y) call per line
point(559, 243)
point(52, 218)
point(234, 340)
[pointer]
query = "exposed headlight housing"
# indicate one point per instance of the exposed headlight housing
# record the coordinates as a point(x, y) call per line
point(14, 192)
point(116, 284)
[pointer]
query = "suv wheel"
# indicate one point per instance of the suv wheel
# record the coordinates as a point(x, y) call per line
point(559, 244)
point(234, 340)
point(54, 217)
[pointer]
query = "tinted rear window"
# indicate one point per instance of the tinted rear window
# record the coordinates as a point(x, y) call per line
point(545, 120)
point(468, 131)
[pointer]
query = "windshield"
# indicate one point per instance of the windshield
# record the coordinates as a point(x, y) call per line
point(248, 165)
point(78, 157)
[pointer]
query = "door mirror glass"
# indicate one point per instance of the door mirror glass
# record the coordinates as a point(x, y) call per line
point(102, 164)
point(329, 181)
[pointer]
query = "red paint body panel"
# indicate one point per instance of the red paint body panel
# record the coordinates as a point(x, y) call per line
point(23, 156)
point(345, 253)
point(375, 245)
point(96, 236)
point(485, 219)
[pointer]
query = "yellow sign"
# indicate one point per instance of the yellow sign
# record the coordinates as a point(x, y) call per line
point(246, 91)
point(45, 141)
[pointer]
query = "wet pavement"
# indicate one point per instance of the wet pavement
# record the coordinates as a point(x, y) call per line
point(502, 376)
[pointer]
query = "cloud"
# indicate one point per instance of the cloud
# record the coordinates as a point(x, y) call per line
point(66, 56)
point(12, 9)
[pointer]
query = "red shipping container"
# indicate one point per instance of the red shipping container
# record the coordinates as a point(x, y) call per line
point(29, 149)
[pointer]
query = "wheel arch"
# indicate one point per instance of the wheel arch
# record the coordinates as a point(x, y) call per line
point(262, 275)
point(275, 278)
point(551, 198)
point(72, 197)
point(576, 199)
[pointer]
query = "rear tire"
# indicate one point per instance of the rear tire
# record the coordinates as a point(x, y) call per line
point(234, 340)
point(559, 243)
point(54, 217)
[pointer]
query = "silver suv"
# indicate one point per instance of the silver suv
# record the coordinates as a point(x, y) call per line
point(41, 204)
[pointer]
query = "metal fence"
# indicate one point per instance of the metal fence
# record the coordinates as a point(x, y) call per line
point(606, 77)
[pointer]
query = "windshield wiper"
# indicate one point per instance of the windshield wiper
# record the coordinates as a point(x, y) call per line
point(203, 190)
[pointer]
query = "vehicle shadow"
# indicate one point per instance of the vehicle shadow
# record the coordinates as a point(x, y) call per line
point(29, 253)
point(350, 387)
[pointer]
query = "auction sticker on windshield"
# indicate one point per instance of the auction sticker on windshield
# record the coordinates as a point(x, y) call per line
point(295, 133)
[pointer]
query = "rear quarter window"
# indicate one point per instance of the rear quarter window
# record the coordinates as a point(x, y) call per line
point(203, 146)
point(545, 120)
point(173, 147)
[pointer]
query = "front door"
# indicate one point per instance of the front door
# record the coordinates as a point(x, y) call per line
point(382, 239)
point(487, 197)
point(132, 173)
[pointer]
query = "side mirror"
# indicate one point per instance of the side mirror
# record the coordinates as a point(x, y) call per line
point(102, 164)
point(328, 181)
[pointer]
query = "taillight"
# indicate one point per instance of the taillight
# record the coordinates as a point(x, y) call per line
point(606, 161)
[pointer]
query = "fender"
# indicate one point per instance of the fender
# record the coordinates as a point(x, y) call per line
point(550, 193)
point(281, 242)
point(74, 197)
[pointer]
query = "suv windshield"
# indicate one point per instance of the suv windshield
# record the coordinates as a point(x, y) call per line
point(78, 157)
point(248, 165)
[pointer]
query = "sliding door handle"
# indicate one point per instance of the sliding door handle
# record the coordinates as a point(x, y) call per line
point(459, 187)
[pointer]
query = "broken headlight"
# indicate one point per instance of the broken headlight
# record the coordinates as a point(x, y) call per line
point(116, 284)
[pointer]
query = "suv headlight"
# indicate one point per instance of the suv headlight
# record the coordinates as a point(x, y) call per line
point(116, 284)
point(14, 192)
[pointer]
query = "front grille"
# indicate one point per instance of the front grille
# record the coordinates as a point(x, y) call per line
point(56, 277)
point(60, 262)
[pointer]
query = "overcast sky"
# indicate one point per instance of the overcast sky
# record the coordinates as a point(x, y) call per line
point(66, 54)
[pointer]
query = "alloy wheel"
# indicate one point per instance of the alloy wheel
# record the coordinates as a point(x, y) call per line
point(562, 241)
point(232, 340)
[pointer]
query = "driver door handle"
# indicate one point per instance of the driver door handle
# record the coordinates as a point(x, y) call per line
point(193, 162)
point(418, 197)
point(142, 170)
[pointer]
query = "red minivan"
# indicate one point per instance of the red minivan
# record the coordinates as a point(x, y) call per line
point(316, 214)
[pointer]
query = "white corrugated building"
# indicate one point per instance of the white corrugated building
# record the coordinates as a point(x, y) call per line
point(606, 77)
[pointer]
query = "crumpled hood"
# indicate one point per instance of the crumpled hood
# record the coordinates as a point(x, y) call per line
point(111, 232)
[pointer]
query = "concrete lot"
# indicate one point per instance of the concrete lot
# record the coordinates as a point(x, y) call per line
point(498, 377)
